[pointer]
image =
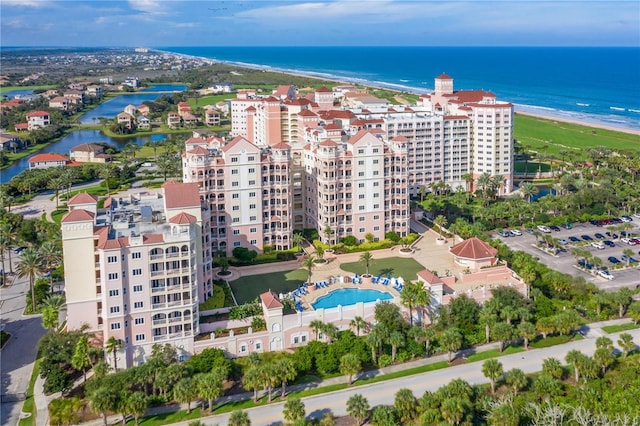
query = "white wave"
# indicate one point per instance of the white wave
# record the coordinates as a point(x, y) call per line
point(405, 81)
point(581, 104)
point(617, 108)
point(633, 110)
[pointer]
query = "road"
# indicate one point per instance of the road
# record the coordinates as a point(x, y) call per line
point(19, 354)
point(384, 392)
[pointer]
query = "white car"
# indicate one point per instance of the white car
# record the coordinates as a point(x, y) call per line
point(544, 229)
point(598, 244)
point(626, 219)
point(628, 241)
point(516, 233)
point(606, 274)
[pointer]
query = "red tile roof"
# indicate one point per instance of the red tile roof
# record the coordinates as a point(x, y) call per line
point(42, 158)
point(82, 198)
point(179, 195)
point(332, 126)
point(307, 113)
point(355, 138)
point(270, 300)
point(324, 90)
point(443, 76)
point(281, 145)
point(328, 142)
point(88, 147)
point(20, 126)
point(78, 215)
point(198, 150)
point(456, 117)
point(38, 114)
point(183, 218)
point(473, 248)
point(429, 277)
point(400, 138)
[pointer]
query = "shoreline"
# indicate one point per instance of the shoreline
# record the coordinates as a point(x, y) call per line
point(550, 117)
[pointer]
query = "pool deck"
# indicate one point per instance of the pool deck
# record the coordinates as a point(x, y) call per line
point(313, 295)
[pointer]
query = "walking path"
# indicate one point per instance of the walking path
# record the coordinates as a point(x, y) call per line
point(590, 331)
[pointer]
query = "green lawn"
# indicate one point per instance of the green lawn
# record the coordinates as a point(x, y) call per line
point(551, 137)
point(29, 405)
point(407, 268)
point(532, 167)
point(210, 100)
point(494, 353)
point(621, 327)
point(246, 289)
point(539, 342)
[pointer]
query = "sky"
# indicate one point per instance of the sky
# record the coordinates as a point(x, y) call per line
point(163, 23)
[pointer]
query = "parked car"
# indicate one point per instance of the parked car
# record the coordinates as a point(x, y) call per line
point(544, 229)
point(574, 239)
point(585, 264)
point(636, 215)
point(555, 228)
point(563, 241)
point(504, 233)
point(586, 237)
point(626, 219)
point(609, 243)
point(19, 250)
point(598, 244)
point(613, 260)
point(516, 233)
point(631, 259)
point(605, 274)
point(599, 236)
point(629, 241)
point(568, 225)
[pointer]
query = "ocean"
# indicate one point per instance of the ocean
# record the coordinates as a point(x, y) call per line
point(599, 85)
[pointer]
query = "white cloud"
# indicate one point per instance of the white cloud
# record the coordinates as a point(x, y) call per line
point(25, 3)
point(153, 7)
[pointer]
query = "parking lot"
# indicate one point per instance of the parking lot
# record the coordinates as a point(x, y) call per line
point(565, 262)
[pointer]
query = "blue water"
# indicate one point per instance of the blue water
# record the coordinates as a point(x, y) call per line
point(593, 84)
point(14, 93)
point(349, 296)
point(166, 88)
point(115, 106)
point(64, 145)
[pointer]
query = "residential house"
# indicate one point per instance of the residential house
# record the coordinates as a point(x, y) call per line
point(60, 102)
point(95, 91)
point(220, 88)
point(144, 123)
point(144, 109)
point(173, 120)
point(211, 117)
point(130, 109)
point(183, 108)
point(9, 142)
point(38, 120)
point(190, 119)
point(75, 97)
point(44, 161)
point(89, 153)
point(127, 119)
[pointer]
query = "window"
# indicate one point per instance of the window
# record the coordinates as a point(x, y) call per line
point(235, 196)
point(252, 182)
point(113, 293)
point(235, 184)
point(243, 348)
point(234, 159)
point(114, 309)
point(112, 276)
point(376, 183)
point(252, 194)
point(112, 259)
point(234, 171)
point(361, 196)
point(254, 242)
point(361, 151)
point(253, 230)
point(375, 161)
point(236, 220)
point(253, 218)
point(235, 208)
point(139, 321)
point(137, 288)
point(376, 206)
point(137, 271)
point(236, 232)
point(251, 158)
point(252, 206)
point(138, 305)
point(258, 346)
point(360, 162)
point(361, 185)
point(360, 208)
point(376, 228)
point(139, 337)
point(361, 230)
point(115, 326)
point(361, 218)
point(360, 174)
point(236, 243)
point(376, 172)
point(296, 340)
point(252, 170)
point(375, 151)
point(136, 255)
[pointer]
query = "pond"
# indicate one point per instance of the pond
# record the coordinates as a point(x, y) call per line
point(543, 190)
point(14, 93)
point(64, 145)
point(113, 107)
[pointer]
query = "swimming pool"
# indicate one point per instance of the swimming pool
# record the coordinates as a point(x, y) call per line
point(349, 296)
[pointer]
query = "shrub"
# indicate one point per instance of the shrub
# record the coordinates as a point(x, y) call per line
point(350, 240)
point(384, 360)
point(285, 255)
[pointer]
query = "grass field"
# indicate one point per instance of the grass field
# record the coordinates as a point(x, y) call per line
point(396, 266)
point(210, 100)
point(621, 327)
point(246, 289)
point(532, 167)
point(494, 353)
point(551, 137)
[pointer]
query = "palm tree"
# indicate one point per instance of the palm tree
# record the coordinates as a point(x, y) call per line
point(316, 325)
point(29, 266)
point(374, 339)
point(366, 258)
point(80, 360)
point(451, 340)
point(423, 335)
point(294, 410)
point(113, 346)
point(440, 221)
point(239, 418)
point(628, 253)
point(412, 295)
point(552, 367)
point(358, 408)
point(359, 324)
point(492, 370)
point(528, 190)
point(308, 263)
point(528, 332)
point(137, 404)
point(405, 405)
point(268, 374)
point(286, 370)
point(327, 233)
point(185, 391)
point(604, 358)
point(349, 366)
point(106, 172)
point(516, 379)
point(209, 387)
point(576, 359)
point(453, 409)
point(297, 239)
point(626, 343)
point(51, 255)
point(396, 340)
point(252, 380)
point(101, 400)
point(502, 332)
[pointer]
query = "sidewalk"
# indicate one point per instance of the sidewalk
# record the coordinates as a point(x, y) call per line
point(591, 331)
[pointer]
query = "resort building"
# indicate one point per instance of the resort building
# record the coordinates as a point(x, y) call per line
point(38, 120)
point(44, 161)
point(136, 269)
